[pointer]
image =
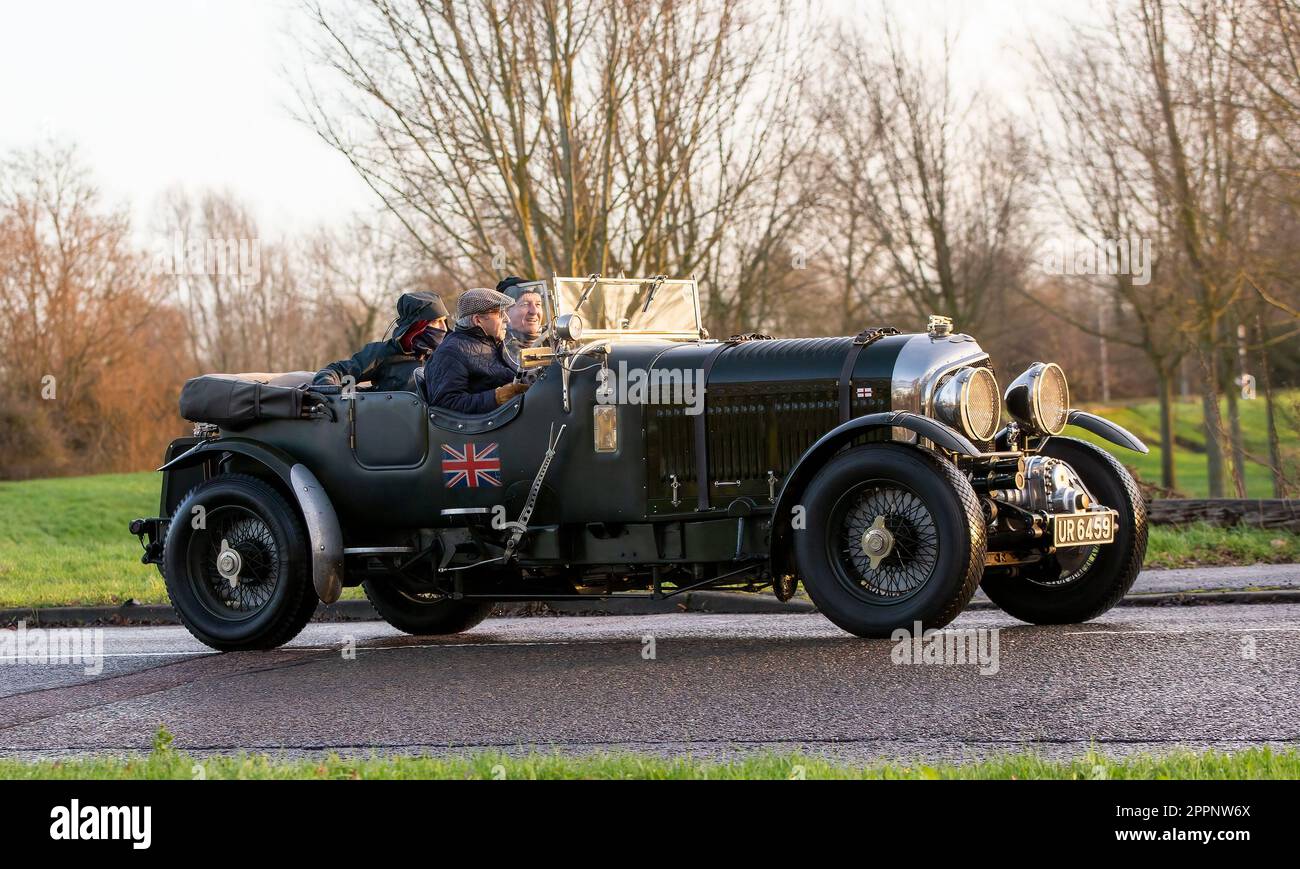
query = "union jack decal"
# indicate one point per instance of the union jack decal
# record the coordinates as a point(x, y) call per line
point(471, 466)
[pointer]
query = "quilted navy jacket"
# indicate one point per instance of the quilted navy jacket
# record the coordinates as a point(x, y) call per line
point(464, 372)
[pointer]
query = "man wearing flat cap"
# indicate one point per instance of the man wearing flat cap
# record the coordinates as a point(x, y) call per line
point(469, 372)
point(390, 365)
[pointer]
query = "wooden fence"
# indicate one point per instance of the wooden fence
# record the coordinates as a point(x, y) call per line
point(1277, 513)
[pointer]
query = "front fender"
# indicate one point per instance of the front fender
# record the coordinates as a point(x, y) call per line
point(816, 456)
point(1104, 428)
point(324, 534)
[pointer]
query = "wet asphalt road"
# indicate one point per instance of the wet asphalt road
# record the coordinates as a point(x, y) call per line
point(1137, 679)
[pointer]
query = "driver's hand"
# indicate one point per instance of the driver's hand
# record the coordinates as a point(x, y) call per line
point(509, 391)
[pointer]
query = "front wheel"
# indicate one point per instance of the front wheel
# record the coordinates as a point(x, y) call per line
point(893, 535)
point(1079, 583)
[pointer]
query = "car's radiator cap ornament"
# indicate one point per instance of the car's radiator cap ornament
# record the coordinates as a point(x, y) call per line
point(939, 326)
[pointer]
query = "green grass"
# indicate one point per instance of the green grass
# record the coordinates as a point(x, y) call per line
point(64, 542)
point(1143, 419)
point(1202, 545)
point(166, 763)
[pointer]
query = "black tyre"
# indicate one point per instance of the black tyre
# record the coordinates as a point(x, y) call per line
point(1081, 582)
point(241, 579)
point(421, 614)
point(929, 559)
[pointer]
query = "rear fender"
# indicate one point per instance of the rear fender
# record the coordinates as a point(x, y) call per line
point(323, 532)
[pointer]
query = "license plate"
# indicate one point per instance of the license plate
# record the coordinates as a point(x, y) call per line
point(1084, 529)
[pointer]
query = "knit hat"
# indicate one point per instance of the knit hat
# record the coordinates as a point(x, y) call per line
point(515, 286)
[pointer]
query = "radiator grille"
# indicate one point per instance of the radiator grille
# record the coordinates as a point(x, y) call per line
point(752, 428)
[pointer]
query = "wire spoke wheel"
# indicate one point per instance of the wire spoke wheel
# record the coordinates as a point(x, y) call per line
point(240, 579)
point(887, 541)
point(1065, 567)
point(235, 562)
point(1078, 583)
point(894, 537)
point(423, 597)
point(423, 613)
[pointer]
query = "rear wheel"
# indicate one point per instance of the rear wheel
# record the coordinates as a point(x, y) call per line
point(894, 535)
point(236, 565)
point(1079, 583)
point(424, 614)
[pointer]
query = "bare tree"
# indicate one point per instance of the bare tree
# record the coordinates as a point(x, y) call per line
point(78, 318)
point(1095, 135)
point(569, 136)
point(1167, 147)
point(937, 187)
point(354, 275)
point(1208, 171)
point(70, 264)
point(245, 309)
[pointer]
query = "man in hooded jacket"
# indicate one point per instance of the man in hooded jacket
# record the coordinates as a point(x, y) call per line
point(390, 365)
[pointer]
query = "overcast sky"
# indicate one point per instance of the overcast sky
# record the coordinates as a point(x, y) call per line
point(158, 93)
point(162, 92)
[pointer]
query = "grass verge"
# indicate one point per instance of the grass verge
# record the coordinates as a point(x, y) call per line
point(63, 541)
point(1143, 419)
point(1202, 545)
point(166, 763)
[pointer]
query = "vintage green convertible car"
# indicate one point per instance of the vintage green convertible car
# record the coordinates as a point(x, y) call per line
point(648, 460)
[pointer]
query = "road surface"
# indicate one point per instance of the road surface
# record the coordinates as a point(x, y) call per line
point(1137, 679)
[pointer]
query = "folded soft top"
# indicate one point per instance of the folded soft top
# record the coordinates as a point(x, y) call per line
point(234, 401)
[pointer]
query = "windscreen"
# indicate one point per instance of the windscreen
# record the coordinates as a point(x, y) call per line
point(619, 304)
